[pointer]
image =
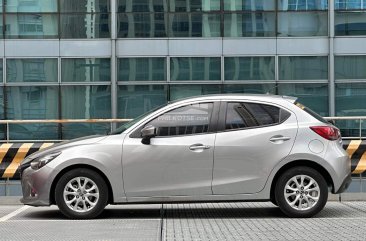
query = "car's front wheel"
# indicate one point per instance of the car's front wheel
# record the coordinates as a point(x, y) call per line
point(81, 194)
point(301, 192)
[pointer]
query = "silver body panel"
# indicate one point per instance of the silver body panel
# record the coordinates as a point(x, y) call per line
point(236, 165)
point(242, 166)
point(168, 166)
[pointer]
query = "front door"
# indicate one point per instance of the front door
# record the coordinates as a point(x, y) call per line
point(178, 161)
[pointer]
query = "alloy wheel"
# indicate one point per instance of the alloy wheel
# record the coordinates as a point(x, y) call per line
point(302, 192)
point(81, 194)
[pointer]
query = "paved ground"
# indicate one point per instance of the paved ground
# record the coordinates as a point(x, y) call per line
point(204, 221)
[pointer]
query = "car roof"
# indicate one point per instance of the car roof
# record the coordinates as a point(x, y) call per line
point(259, 97)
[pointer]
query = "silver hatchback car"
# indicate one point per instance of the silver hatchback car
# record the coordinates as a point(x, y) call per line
point(211, 148)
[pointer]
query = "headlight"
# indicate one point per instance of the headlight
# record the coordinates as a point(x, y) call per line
point(42, 161)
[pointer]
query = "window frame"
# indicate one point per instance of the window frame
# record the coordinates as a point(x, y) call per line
point(221, 126)
point(212, 126)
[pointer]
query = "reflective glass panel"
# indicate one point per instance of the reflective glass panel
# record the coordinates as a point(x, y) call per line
point(250, 88)
point(195, 25)
point(351, 101)
point(85, 26)
point(350, 4)
point(296, 5)
point(85, 6)
point(296, 24)
point(183, 91)
point(1, 80)
point(195, 68)
point(350, 23)
point(194, 5)
point(142, 25)
point(1, 25)
point(30, 6)
point(31, 26)
point(314, 96)
point(31, 70)
point(249, 5)
point(86, 102)
point(141, 69)
point(255, 24)
point(350, 67)
point(135, 100)
point(303, 68)
point(76, 130)
point(249, 68)
point(2, 113)
point(32, 102)
point(142, 6)
point(85, 70)
point(42, 131)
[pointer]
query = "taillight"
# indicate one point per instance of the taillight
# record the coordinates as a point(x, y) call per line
point(327, 132)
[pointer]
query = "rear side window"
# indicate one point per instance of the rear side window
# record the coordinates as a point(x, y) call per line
point(246, 115)
point(186, 120)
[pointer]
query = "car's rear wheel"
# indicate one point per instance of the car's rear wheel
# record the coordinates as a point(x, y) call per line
point(301, 192)
point(81, 194)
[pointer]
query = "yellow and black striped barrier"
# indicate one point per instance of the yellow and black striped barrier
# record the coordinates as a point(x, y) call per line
point(356, 150)
point(11, 154)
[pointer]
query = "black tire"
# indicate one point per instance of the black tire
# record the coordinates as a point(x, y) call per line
point(294, 212)
point(100, 203)
point(273, 200)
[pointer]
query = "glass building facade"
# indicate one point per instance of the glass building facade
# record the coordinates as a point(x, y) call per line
point(76, 59)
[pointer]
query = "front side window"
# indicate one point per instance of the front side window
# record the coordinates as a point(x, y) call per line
point(247, 115)
point(186, 120)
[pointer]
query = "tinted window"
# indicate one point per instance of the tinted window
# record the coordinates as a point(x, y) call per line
point(186, 120)
point(311, 112)
point(244, 115)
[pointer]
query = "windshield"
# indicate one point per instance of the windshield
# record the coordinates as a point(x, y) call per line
point(311, 112)
point(127, 125)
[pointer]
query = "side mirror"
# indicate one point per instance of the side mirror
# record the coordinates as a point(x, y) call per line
point(147, 133)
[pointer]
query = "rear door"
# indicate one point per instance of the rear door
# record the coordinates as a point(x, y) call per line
point(252, 139)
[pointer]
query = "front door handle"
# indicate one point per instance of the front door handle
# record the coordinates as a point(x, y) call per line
point(279, 138)
point(199, 147)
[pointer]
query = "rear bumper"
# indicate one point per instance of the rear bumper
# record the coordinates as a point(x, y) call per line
point(345, 184)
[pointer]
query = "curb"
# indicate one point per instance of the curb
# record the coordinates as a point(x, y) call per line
point(10, 200)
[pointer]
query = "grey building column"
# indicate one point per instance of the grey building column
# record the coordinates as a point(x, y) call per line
point(331, 59)
point(113, 60)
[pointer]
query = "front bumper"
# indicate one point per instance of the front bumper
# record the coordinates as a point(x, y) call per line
point(345, 184)
point(36, 186)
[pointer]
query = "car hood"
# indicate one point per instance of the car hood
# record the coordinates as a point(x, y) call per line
point(63, 145)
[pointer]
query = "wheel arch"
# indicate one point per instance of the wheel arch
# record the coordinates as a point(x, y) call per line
point(298, 163)
point(86, 166)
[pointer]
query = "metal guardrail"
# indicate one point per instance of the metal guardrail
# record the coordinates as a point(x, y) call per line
point(64, 121)
point(358, 119)
point(56, 121)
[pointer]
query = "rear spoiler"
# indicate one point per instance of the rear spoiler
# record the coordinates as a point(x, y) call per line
point(291, 99)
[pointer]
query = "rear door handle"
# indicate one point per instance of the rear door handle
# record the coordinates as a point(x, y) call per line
point(199, 147)
point(279, 138)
